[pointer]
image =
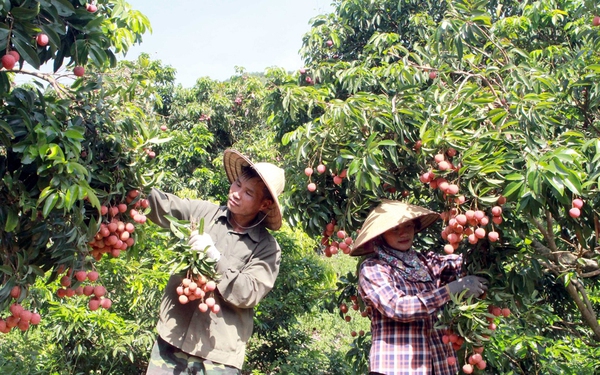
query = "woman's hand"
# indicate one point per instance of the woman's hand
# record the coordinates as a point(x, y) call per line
point(474, 285)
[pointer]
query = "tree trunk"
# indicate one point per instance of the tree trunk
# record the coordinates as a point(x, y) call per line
point(588, 315)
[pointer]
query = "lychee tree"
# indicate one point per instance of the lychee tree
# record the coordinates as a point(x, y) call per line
point(75, 149)
point(204, 120)
point(484, 111)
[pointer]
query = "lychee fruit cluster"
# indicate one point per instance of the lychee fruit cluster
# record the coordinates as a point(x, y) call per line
point(118, 223)
point(200, 288)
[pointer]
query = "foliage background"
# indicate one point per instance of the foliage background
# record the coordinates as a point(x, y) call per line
point(512, 86)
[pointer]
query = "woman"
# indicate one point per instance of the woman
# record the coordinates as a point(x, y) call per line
point(405, 289)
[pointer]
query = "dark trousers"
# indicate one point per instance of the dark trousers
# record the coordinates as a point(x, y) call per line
point(166, 359)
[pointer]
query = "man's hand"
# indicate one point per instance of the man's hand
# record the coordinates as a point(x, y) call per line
point(203, 242)
point(474, 285)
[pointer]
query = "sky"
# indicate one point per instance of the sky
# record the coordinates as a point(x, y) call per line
point(209, 38)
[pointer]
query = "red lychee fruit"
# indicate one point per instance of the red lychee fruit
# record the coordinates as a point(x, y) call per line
point(574, 212)
point(42, 40)
point(8, 62)
point(577, 203)
point(79, 71)
point(15, 54)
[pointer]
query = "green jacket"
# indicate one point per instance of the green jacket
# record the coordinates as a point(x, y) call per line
point(248, 267)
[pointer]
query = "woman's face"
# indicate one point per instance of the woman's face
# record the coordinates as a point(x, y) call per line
point(401, 236)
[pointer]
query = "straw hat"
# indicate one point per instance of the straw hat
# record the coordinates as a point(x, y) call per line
point(272, 176)
point(386, 216)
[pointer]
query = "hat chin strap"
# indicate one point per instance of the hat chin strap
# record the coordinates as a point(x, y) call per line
point(251, 226)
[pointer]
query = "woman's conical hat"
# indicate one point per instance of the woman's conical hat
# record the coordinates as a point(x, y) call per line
point(386, 216)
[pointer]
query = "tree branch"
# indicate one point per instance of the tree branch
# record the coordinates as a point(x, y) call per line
point(590, 274)
point(574, 287)
point(58, 87)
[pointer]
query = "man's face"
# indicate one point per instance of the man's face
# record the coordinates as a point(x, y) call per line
point(401, 236)
point(246, 197)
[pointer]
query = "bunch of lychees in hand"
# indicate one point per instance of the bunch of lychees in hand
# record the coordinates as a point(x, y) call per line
point(200, 276)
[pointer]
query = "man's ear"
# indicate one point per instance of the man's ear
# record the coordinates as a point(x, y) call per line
point(266, 203)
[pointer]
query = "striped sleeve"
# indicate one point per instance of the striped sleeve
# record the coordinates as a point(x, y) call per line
point(396, 299)
point(446, 268)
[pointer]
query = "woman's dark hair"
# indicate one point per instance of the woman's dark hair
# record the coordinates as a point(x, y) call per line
point(418, 224)
point(249, 173)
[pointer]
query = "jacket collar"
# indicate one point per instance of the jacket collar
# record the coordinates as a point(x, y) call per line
point(254, 233)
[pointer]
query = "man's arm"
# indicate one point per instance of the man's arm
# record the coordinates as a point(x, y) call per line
point(162, 204)
point(245, 288)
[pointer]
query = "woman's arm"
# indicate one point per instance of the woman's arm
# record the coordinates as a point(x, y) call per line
point(379, 290)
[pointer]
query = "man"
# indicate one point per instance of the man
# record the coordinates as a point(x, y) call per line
point(248, 257)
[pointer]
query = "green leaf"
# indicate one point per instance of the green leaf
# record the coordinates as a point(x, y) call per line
point(556, 183)
point(6, 128)
point(594, 67)
point(74, 134)
point(7, 270)
point(98, 55)
point(36, 270)
point(49, 204)
point(71, 196)
point(64, 7)
point(176, 221)
point(21, 42)
point(483, 100)
point(25, 14)
point(73, 166)
point(573, 183)
point(53, 36)
point(93, 227)
point(55, 152)
point(201, 226)
point(387, 142)
point(4, 32)
point(499, 116)
point(287, 137)
point(47, 190)
point(158, 141)
point(91, 194)
point(11, 221)
point(511, 191)
point(79, 51)
point(515, 177)
point(174, 228)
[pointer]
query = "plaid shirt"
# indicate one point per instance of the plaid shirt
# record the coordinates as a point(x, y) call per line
point(403, 314)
